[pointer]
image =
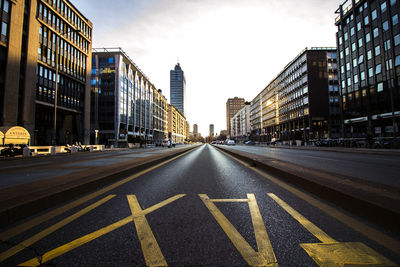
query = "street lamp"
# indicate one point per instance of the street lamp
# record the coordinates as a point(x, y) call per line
point(54, 137)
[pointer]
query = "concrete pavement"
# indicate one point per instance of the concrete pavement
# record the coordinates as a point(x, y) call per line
point(31, 185)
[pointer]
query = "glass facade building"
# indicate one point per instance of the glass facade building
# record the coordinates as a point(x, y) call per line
point(126, 107)
point(368, 40)
point(178, 89)
point(302, 102)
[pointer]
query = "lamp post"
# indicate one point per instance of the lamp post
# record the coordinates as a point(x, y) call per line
point(54, 137)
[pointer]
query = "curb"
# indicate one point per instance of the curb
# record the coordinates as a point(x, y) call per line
point(382, 216)
point(14, 214)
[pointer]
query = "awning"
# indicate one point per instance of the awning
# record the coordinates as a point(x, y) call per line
point(16, 135)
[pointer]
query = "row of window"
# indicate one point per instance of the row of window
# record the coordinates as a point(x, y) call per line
point(62, 28)
point(71, 16)
point(70, 59)
point(4, 20)
point(69, 92)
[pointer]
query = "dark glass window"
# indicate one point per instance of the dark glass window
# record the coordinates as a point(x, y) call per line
point(395, 20)
point(373, 14)
point(397, 61)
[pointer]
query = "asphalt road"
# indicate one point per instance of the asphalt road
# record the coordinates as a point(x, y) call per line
point(382, 169)
point(203, 208)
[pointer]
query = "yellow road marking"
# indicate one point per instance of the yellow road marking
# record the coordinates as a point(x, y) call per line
point(265, 255)
point(89, 237)
point(375, 235)
point(312, 228)
point(28, 242)
point(45, 217)
point(229, 200)
point(333, 253)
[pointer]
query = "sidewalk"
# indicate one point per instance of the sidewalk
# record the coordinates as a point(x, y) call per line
point(31, 185)
point(377, 202)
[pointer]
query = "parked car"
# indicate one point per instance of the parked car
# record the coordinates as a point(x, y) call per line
point(166, 143)
point(250, 142)
point(230, 142)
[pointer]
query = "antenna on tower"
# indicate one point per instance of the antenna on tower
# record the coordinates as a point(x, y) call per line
point(177, 59)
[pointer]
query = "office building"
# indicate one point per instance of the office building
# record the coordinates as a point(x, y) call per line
point(178, 89)
point(45, 57)
point(301, 102)
point(233, 105)
point(126, 106)
point(195, 130)
point(177, 125)
point(368, 40)
point(211, 130)
point(240, 124)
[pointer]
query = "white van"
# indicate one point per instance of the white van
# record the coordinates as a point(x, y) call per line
point(165, 143)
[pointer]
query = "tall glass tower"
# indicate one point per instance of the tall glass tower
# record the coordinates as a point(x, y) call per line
point(178, 89)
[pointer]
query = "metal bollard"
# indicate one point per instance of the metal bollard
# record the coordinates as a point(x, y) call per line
point(73, 149)
point(26, 152)
point(112, 147)
point(52, 150)
point(91, 149)
point(102, 148)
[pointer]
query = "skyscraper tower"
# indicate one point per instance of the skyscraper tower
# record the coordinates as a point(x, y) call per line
point(178, 89)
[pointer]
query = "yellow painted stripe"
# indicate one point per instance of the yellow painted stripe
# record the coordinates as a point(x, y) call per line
point(28, 242)
point(373, 234)
point(45, 217)
point(249, 255)
point(312, 228)
point(263, 243)
point(89, 237)
point(76, 243)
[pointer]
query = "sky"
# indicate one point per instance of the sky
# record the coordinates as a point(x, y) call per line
point(226, 48)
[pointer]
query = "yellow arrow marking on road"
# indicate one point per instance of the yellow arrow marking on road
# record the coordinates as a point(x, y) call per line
point(265, 255)
point(105, 230)
point(333, 253)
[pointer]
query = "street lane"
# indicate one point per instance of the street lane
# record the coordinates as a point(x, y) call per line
point(382, 169)
point(189, 230)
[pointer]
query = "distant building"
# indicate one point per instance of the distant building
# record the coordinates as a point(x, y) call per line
point(233, 105)
point(223, 133)
point(45, 58)
point(126, 106)
point(301, 102)
point(178, 89)
point(195, 130)
point(240, 124)
point(368, 41)
point(211, 128)
point(177, 125)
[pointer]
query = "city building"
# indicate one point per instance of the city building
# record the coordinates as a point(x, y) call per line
point(233, 105)
point(45, 59)
point(301, 102)
point(126, 106)
point(211, 130)
point(195, 130)
point(368, 40)
point(178, 89)
point(177, 125)
point(240, 124)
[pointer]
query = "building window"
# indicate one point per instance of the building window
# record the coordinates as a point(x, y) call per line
point(383, 7)
point(354, 63)
point(4, 28)
point(362, 75)
point(385, 25)
point(395, 19)
point(346, 36)
point(392, 2)
point(369, 54)
point(348, 81)
point(387, 45)
point(366, 20)
point(346, 51)
point(373, 14)
point(370, 72)
point(6, 6)
point(378, 69)
point(367, 37)
point(353, 47)
point(355, 78)
point(340, 40)
point(348, 66)
point(389, 64)
point(377, 50)
point(358, 26)
point(360, 59)
point(351, 31)
point(376, 32)
point(360, 43)
point(397, 40)
point(397, 61)
point(379, 87)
